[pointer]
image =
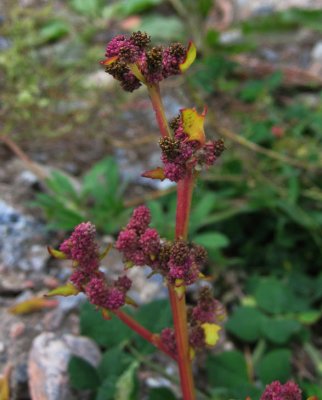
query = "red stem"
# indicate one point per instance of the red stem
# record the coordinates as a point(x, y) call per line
point(154, 93)
point(153, 338)
point(178, 304)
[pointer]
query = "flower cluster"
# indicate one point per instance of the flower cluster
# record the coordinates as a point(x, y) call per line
point(131, 60)
point(277, 391)
point(182, 152)
point(204, 320)
point(178, 261)
point(139, 243)
point(86, 277)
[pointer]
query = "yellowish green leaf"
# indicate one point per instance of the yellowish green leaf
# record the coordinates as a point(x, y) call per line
point(32, 305)
point(211, 333)
point(190, 57)
point(56, 253)
point(156, 173)
point(66, 290)
point(193, 124)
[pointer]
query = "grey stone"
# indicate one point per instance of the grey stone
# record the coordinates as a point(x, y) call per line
point(317, 52)
point(18, 234)
point(48, 364)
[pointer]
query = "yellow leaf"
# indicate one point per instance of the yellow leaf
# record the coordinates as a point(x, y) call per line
point(211, 333)
point(32, 305)
point(4, 384)
point(66, 290)
point(190, 57)
point(192, 353)
point(56, 253)
point(131, 302)
point(109, 61)
point(156, 173)
point(193, 124)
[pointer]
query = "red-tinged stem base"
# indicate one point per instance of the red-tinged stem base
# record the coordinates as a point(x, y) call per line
point(178, 305)
point(153, 338)
point(154, 93)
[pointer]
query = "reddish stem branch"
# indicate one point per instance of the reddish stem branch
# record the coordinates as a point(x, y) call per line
point(178, 305)
point(153, 338)
point(154, 93)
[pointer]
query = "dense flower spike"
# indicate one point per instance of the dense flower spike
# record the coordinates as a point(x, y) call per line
point(277, 391)
point(81, 247)
point(139, 243)
point(153, 64)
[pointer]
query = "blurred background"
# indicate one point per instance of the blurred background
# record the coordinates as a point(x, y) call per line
point(73, 146)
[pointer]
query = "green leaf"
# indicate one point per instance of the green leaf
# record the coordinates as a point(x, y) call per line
point(309, 317)
point(212, 240)
point(161, 394)
point(227, 369)
point(163, 28)
point(90, 8)
point(280, 330)
point(114, 362)
point(53, 30)
point(275, 297)
point(124, 8)
point(275, 365)
point(154, 316)
point(245, 323)
point(106, 333)
point(126, 386)
point(106, 391)
point(82, 374)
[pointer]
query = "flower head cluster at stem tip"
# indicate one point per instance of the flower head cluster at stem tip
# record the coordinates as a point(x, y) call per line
point(131, 60)
point(86, 277)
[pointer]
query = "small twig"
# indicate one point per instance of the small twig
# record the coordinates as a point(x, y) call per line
point(31, 165)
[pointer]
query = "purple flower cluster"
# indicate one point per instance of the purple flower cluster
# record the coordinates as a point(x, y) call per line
point(81, 247)
point(208, 310)
point(168, 340)
point(277, 391)
point(180, 154)
point(177, 261)
point(154, 63)
point(139, 243)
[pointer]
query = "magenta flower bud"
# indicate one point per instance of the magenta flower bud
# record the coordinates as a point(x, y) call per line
point(174, 172)
point(197, 337)
point(97, 291)
point(115, 45)
point(115, 298)
point(277, 391)
point(173, 56)
point(79, 278)
point(123, 283)
point(140, 219)
point(150, 241)
point(127, 240)
point(168, 339)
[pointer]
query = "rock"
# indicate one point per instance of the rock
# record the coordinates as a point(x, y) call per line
point(48, 363)
point(18, 234)
point(316, 53)
point(19, 381)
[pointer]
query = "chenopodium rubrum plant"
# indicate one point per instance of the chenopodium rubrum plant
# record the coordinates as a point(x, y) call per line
point(184, 153)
